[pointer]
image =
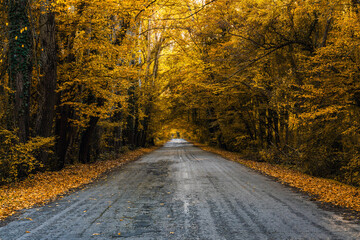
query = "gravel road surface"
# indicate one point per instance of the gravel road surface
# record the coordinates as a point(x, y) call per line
point(181, 192)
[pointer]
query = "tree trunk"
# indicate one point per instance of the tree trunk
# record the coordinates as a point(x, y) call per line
point(326, 32)
point(132, 119)
point(247, 125)
point(276, 128)
point(20, 65)
point(62, 131)
point(48, 70)
point(269, 127)
point(262, 127)
point(85, 147)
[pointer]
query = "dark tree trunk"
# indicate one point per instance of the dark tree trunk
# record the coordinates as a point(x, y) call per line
point(132, 119)
point(276, 128)
point(62, 131)
point(86, 137)
point(269, 127)
point(262, 126)
point(117, 141)
point(146, 123)
point(20, 65)
point(247, 125)
point(48, 70)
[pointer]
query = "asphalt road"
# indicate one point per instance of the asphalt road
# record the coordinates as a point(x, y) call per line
point(181, 192)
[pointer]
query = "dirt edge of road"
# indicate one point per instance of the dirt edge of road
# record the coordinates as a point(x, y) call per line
point(42, 188)
point(328, 194)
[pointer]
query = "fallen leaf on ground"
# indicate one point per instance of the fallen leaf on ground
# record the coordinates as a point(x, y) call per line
point(44, 187)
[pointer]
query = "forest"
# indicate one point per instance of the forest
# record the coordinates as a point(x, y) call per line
point(276, 80)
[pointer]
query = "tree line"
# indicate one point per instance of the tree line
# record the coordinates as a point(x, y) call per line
point(77, 82)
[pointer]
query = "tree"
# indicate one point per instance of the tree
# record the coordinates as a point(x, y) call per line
point(20, 65)
point(48, 73)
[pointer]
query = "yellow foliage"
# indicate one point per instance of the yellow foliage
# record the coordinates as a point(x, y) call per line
point(17, 160)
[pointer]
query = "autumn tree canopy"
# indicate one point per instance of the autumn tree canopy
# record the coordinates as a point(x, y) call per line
point(86, 80)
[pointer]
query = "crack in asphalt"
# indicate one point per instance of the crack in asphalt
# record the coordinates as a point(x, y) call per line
point(181, 192)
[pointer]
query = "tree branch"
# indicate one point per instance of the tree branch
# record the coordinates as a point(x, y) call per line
point(190, 15)
point(259, 58)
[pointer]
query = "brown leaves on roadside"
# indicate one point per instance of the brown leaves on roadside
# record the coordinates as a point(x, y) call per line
point(44, 187)
point(325, 190)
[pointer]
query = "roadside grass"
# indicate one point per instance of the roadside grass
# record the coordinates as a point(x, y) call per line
point(323, 190)
point(44, 187)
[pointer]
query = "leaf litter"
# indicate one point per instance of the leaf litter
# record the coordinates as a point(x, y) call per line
point(44, 187)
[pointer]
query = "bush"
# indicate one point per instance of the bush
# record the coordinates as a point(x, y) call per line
point(18, 160)
point(270, 155)
point(351, 171)
point(319, 161)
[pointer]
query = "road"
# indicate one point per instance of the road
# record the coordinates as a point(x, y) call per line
point(181, 192)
